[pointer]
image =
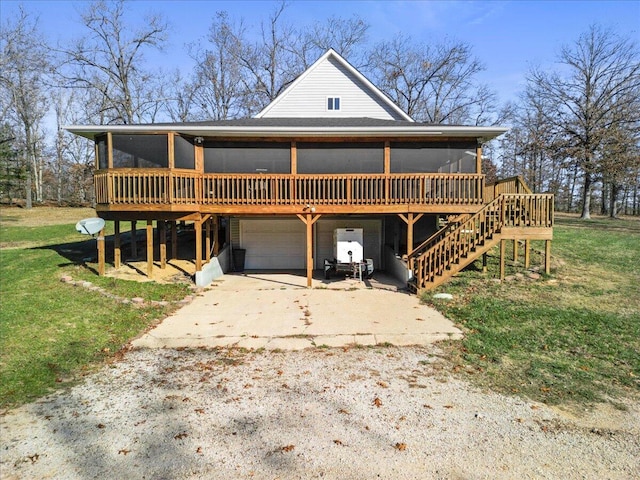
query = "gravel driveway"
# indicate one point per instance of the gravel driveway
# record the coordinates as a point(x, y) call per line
point(359, 413)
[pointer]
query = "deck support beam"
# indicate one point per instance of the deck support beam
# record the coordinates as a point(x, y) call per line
point(117, 251)
point(207, 243)
point(101, 256)
point(162, 232)
point(527, 253)
point(309, 219)
point(134, 240)
point(484, 262)
point(547, 257)
point(515, 250)
point(198, 229)
point(174, 240)
point(216, 229)
point(150, 248)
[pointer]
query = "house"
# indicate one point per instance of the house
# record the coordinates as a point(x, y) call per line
point(332, 151)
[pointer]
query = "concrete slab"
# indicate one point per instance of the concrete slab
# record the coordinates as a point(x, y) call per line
point(277, 311)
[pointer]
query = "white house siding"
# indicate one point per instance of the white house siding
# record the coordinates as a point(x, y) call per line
point(308, 98)
point(372, 236)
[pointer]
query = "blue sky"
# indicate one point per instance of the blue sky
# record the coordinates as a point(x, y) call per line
point(507, 36)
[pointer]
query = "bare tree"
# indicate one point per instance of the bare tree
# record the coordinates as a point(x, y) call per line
point(110, 61)
point(23, 68)
point(268, 65)
point(435, 83)
point(594, 93)
point(345, 36)
point(220, 87)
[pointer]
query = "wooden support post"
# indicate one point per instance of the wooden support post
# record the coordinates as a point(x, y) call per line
point(309, 219)
point(547, 257)
point(174, 240)
point(162, 231)
point(150, 248)
point(502, 252)
point(216, 240)
point(101, 256)
point(198, 229)
point(410, 233)
point(309, 251)
point(207, 234)
point(410, 220)
point(294, 158)
point(527, 253)
point(387, 170)
point(479, 158)
point(484, 262)
point(134, 241)
point(117, 251)
point(515, 250)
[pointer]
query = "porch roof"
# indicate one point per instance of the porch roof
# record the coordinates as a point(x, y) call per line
point(296, 127)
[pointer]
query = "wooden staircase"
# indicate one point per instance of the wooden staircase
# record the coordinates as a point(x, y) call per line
point(510, 216)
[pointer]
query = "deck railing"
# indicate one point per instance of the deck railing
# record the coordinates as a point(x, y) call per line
point(160, 187)
point(508, 185)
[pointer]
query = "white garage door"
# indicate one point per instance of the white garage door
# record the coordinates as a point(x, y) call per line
point(273, 244)
point(372, 236)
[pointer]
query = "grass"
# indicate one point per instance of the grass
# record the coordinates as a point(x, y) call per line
point(573, 337)
point(52, 333)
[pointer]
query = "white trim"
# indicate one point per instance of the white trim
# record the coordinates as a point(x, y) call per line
point(484, 133)
point(334, 98)
point(332, 53)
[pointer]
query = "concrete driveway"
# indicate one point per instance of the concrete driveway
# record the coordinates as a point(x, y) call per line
point(277, 311)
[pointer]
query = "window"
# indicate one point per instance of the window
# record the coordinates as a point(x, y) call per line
point(333, 103)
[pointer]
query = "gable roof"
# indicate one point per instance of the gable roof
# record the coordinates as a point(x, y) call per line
point(359, 80)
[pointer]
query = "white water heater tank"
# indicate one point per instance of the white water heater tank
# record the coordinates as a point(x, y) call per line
point(348, 245)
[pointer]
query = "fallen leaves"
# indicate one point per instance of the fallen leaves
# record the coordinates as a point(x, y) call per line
point(180, 436)
point(288, 448)
point(377, 402)
point(123, 451)
point(400, 446)
point(382, 384)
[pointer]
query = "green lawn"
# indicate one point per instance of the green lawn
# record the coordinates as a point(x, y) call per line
point(573, 337)
point(51, 333)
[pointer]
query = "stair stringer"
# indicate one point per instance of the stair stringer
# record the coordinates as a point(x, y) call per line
point(464, 261)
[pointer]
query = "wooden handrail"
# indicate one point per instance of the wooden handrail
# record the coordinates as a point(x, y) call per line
point(178, 186)
point(515, 184)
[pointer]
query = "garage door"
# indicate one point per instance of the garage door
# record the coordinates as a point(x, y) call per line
point(273, 244)
point(372, 236)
